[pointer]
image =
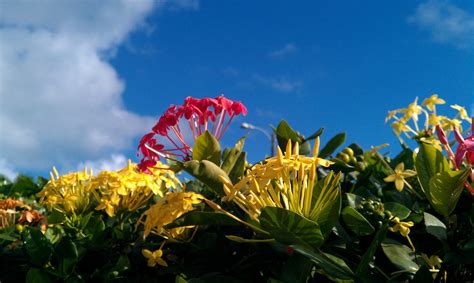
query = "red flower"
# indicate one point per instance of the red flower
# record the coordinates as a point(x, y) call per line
point(200, 115)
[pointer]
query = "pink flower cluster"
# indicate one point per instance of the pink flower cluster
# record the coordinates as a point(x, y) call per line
point(464, 151)
point(200, 115)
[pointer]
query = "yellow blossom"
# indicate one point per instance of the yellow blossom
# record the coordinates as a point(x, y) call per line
point(400, 127)
point(450, 124)
point(165, 211)
point(285, 181)
point(129, 189)
point(462, 113)
point(403, 228)
point(399, 176)
point(434, 262)
point(431, 102)
point(70, 193)
point(434, 120)
point(412, 111)
point(154, 257)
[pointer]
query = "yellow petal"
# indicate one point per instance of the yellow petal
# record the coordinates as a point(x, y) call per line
point(399, 184)
point(390, 178)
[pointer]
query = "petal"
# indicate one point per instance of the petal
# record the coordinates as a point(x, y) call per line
point(390, 178)
point(399, 184)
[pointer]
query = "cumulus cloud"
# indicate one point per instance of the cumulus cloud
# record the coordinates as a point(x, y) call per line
point(446, 22)
point(7, 170)
point(285, 50)
point(60, 99)
point(114, 162)
point(280, 84)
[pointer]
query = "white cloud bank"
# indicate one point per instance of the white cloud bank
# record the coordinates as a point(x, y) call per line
point(60, 99)
point(114, 162)
point(446, 22)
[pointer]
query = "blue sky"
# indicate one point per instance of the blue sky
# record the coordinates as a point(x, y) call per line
point(340, 65)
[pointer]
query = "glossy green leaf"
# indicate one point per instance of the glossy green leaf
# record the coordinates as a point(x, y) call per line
point(353, 200)
point(400, 255)
point(315, 135)
point(368, 256)
point(239, 168)
point(356, 222)
point(296, 269)
point(207, 147)
point(284, 133)
point(445, 188)
point(37, 246)
point(428, 162)
point(332, 265)
point(208, 173)
point(397, 209)
point(197, 217)
point(67, 254)
point(36, 275)
point(435, 227)
point(231, 155)
point(332, 145)
point(289, 228)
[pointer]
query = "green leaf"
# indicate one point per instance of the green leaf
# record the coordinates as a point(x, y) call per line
point(332, 265)
point(37, 246)
point(315, 135)
point(207, 147)
point(435, 227)
point(197, 217)
point(296, 269)
point(445, 188)
point(239, 168)
point(428, 162)
point(67, 254)
point(284, 133)
point(36, 275)
point(24, 185)
point(208, 173)
point(289, 228)
point(332, 145)
point(369, 254)
point(356, 222)
point(231, 155)
point(400, 255)
point(353, 200)
point(397, 209)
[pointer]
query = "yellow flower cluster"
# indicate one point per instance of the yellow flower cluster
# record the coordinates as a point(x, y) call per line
point(403, 228)
point(399, 176)
point(70, 193)
point(125, 189)
point(286, 181)
point(402, 117)
point(165, 211)
point(130, 189)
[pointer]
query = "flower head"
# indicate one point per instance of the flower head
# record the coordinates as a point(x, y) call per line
point(285, 181)
point(403, 228)
point(154, 257)
point(431, 102)
point(462, 113)
point(399, 176)
point(165, 211)
point(70, 193)
point(198, 115)
point(465, 149)
point(130, 189)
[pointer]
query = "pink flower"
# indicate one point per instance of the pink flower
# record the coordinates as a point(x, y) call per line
point(465, 150)
point(200, 115)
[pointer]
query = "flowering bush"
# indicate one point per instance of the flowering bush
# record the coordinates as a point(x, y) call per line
point(301, 216)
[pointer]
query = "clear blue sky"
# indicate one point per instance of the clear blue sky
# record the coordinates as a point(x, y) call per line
point(332, 64)
point(82, 81)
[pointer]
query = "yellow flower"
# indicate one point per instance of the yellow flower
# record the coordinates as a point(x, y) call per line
point(431, 102)
point(435, 120)
point(70, 193)
point(399, 176)
point(165, 211)
point(434, 262)
point(284, 181)
point(462, 113)
point(129, 189)
point(154, 258)
point(412, 111)
point(450, 124)
point(403, 228)
point(399, 127)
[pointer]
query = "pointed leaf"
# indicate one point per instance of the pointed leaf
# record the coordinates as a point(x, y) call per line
point(400, 255)
point(37, 246)
point(435, 227)
point(231, 155)
point(445, 188)
point(208, 173)
point(428, 162)
point(397, 209)
point(207, 147)
point(332, 145)
point(289, 228)
point(363, 266)
point(356, 222)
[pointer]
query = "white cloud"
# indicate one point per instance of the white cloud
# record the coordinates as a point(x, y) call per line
point(7, 170)
point(112, 163)
point(60, 99)
point(285, 50)
point(279, 84)
point(446, 22)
